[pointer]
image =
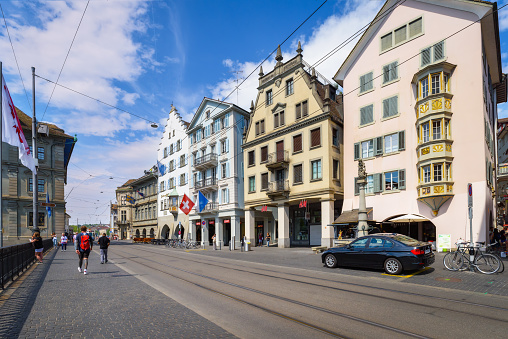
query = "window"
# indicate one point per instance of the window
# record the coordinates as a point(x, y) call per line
point(436, 129)
point(424, 85)
point(278, 119)
point(335, 137)
point(392, 181)
point(269, 97)
point(366, 83)
point(360, 243)
point(224, 146)
point(297, 174)
point(367, 149)
point(438, 172)
point(415, 28)
point(162, 188)
point(402, 34)
point(264, 154)
point(40, 153)
point(225, 195)
point(335, 169)
point(369, 188)
point(366, 115)
point(315, 138)
point(264, 181)
point(390, 72)
point(223, 170)
point(391, 143)
point(40, 185)
point(251, 158)
point(316, 169)
point(191, 142)
point(432, 54)
point(252, 184)
point(390, 107)
point(446, 78)
point(447, 129)
point(448, 171)
point(304, 109)
point(289, 87)
point(297, 143)
point(426, 173)
point(425, 132)
point(260, 127)
point(301, 110)
point(40, 220)
point(182, 160)
point(182, 179)
point(435, 83)
point(386, 42)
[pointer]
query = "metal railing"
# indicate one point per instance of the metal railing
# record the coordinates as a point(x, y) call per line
point(211, 206)
point(206, 183)
point(278, 186)
point(15, 259)
point(502, 169)
point(278, 157)
point(212, 157)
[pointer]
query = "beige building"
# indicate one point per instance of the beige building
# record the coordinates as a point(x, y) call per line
point(144, 221)
point(123, 224)
point(293, 154)
point(54, 149)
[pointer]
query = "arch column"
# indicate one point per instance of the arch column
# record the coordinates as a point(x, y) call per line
point(283, 215)
point(250, 233)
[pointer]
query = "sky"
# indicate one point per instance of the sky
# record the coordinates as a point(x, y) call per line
point(141, 57)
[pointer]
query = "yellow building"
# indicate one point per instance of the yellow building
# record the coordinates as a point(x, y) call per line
point(293, 157)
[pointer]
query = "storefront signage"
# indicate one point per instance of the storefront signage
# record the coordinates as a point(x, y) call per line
point(227, 221)
point(211, 222)
point(444, 242)
point(198, 223)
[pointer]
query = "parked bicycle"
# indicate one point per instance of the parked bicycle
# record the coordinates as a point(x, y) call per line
point(460, 259)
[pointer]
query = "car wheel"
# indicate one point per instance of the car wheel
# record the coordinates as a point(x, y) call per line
point(331, 261)
point(393, 266)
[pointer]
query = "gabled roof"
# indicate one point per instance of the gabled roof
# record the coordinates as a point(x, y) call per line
point(480, 8)
point(227, 106)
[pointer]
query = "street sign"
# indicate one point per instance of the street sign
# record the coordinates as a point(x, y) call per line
point(47, 204)
point(469, 195)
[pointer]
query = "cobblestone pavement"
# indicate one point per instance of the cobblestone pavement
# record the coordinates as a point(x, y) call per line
point(437, 275)
point(56, 301)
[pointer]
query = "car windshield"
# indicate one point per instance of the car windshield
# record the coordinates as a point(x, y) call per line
point(406, 240)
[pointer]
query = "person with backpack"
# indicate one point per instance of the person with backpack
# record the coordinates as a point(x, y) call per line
point(83, 246)
point(103, 245)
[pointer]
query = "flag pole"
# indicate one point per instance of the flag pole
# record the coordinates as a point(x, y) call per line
point(1, 111)
point(35, 186)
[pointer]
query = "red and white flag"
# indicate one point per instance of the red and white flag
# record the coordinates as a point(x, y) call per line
point(11, 129)
point(186, 204)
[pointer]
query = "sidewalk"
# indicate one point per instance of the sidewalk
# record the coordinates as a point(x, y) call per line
point(56, 301)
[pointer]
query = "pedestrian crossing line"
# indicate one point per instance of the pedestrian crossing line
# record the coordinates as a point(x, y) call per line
point(199, 249)
point(402, 277)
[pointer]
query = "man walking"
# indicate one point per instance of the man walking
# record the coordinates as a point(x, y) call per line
point(83, 246)
point(103, 245)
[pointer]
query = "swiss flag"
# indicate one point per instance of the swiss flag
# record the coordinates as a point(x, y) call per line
point(186, 204)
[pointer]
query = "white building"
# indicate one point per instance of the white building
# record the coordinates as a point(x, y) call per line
point(173, 183)
point(216, 169)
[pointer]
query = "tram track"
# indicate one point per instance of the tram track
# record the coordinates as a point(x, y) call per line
point(142, 261)
point(334, 288)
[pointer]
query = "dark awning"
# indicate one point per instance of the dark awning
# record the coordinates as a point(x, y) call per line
point(351, 217)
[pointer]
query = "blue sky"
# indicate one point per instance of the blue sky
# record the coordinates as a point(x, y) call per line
point(142, 56)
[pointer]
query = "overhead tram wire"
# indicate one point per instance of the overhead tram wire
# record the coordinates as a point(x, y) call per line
point(98, 100)
point(15, 58)
point(68, 52)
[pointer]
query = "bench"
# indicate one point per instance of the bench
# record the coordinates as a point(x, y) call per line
point(319, 249)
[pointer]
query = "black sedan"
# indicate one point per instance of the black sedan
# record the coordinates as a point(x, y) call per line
point(389, 251)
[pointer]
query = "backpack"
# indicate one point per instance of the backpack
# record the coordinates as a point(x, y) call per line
point(85, 242)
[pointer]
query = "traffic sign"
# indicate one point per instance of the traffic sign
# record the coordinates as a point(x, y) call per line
point(469, 195)
point(47, 204)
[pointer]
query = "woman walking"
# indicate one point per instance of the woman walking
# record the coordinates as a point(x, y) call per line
point(55, 240)
point(63, 242)
point(267, 239)
point(37, 243)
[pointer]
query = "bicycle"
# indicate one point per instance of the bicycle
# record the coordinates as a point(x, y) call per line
point(485, 263)
point(490, 249)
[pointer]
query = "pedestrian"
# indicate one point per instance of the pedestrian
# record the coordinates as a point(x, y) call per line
point(103, 245)
point(214, 243)
point(37, 244)
point(260, 239)
point(63, 242)
point(268, 239)
point(55, 240)
point(83, 246)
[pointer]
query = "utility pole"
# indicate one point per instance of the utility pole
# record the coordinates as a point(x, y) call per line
point(1, 111)
point(35, 186)
point(237, 80)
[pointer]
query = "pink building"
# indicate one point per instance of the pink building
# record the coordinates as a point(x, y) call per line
point(421, 89)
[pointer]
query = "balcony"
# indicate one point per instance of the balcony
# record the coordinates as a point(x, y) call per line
point(435, 194)
point(206, 185)
point(206, 161)
point(502, 172)
point(278, 188)
point(278, 160)
point(211, 207)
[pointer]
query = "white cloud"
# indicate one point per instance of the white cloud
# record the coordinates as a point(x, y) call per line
point(502, 16)
point(130, 98)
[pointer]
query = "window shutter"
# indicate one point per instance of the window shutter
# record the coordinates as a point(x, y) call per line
point(369, 84)
point(402, 179)
point(297, 143)
point(393, 102)
point(262, 129)
point(386, 108)
point(357, 189)
point(227, 170)
point(400, 35)
point(386, 74)
point(257, 128)
point(415, 27)
point(439, 51)
point(366, 115)
point(315, 137)
point(394, 70)
point(425, 56)
point(298, 111)
point(227, 145)
point(362, 84)
point(304, 109)
point(402, 140)
point(378, 182)
point(357, 151)
point(363, 117)
point(281, 118)
point(276, 120)
point(378, 145)
point(264, 153)
point(386, 42)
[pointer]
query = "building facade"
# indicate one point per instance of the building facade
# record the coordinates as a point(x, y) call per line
point(123, 223)
point(54, 150)
point(293, 157)
point(216, 170)
point(173, 183)
point(422, 116)
point(144, 206)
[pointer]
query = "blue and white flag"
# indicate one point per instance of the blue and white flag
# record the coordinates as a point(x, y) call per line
point(48, 209)
point(161, 167)
point(202, 201)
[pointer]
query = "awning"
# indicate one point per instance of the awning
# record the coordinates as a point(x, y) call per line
point(409, 218)
point(351, 217)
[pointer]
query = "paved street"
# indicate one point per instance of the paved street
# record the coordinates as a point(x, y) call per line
point(150, 291)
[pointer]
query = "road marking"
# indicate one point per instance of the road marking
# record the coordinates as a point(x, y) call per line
point(406, 276)
point(200, 249)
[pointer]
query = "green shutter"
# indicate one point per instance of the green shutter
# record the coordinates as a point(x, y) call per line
point(368, 81)
point(378, 182)
point(439, 51)
point(425, 57)
point(357, 151)
point(357, 189)
point(394, 70)
point(386, 74)
point(402, 141)
point(386, 108)
point(378, 146)
point(402, 179)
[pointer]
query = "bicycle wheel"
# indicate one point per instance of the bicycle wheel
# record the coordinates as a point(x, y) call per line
point(454, 261)
point(487, 263)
